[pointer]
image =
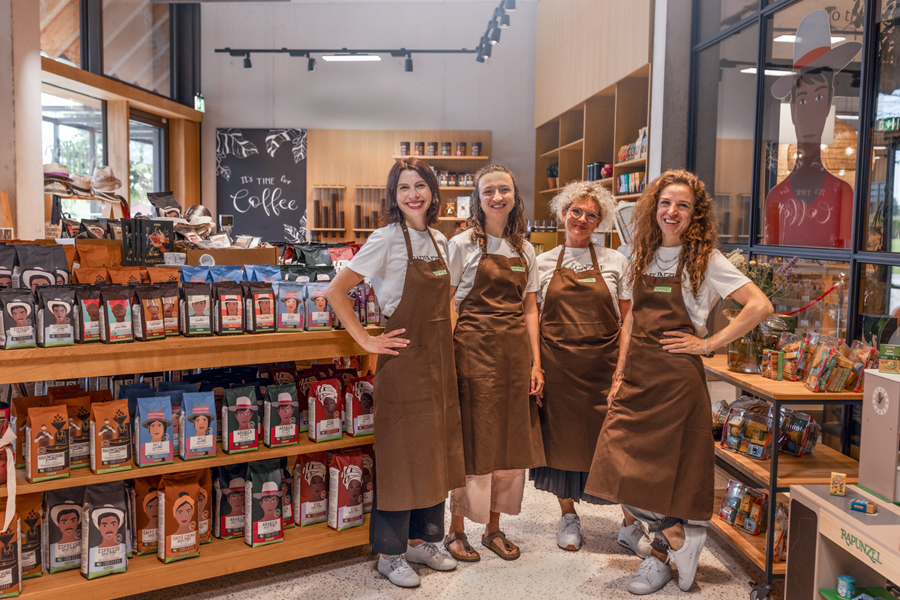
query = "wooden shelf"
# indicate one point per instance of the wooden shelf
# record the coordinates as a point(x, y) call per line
point(783, 391)
point(751, 546)
point(550, 153)
point(575, 145)
point(457, 188)
point(329, 187)
point(628, 196)
point(446, 158)
point(551, 191)
point(632, 163)
point(327, 228)
point(874, 592)
point(809, 469)
point(606, 181)
point(457, 219)
point(179, 352)
point(220, 557)
point(364, 230)
point(79, 477)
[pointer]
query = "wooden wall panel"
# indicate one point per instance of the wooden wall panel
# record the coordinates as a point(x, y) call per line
point(184, 161)
point(583, 46)
point(117, 113)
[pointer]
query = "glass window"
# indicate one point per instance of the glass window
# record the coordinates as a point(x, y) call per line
point(723, 153)
point(61, 30)
point(879, 304)
point(810, 124)
point(147, 154)
point(716, 15)
point(136, 43)
point(72, 135)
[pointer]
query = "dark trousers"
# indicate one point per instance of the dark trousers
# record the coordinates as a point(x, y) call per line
point(389, 530)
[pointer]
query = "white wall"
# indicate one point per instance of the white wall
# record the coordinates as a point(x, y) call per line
point(443, 91)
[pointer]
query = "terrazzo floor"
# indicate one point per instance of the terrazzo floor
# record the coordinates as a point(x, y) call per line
point(600, 570)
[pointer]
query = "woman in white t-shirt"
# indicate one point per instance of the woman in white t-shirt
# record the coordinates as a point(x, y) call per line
point(419, 444)
point(655, 453)
point(498, 362)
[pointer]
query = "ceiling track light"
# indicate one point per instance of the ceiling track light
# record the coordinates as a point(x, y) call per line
point(503, 21)
point(509, 5)
point(311, 65)
point(495, 36)
point(247, 63)
point(408, 64)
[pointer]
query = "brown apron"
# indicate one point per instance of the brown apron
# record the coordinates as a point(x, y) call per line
point(656, 448)
point(501, 427)
point(579, 350)
point(417, 429)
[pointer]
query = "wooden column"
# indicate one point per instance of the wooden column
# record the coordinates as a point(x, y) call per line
point(117, 138)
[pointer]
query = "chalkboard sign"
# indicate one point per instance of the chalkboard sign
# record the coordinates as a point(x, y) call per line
point(261, 180)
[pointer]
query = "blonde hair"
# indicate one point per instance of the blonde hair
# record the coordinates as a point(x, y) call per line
point(592, 190)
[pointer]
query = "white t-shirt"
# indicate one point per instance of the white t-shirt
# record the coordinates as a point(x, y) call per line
point(613, 267)
point(465, 254)
point(722, 279)
point(383, 260)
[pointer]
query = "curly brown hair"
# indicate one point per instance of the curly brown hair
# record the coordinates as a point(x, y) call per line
point(393, 214)
point(698, 241)
point(514, 231)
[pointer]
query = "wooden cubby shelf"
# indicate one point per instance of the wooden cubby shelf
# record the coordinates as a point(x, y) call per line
point(446, 158)
point(751, 546)
point(809, 469)
point(551, 191)
point(634, 162)
point(457, 188)
point(628, 196)
point(550, 153)
point(576, 145)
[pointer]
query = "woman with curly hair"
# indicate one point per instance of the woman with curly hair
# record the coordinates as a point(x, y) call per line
point(655, 452)
point(584, 294)
point(498, 362)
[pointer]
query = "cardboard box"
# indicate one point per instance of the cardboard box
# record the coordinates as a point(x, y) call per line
point(234, 256)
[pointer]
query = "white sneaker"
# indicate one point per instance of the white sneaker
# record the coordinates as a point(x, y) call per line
point(687, 557)
point(430, 555)
point(569, 535)
point(633, 538)
point(651, 576)
point(398, 571)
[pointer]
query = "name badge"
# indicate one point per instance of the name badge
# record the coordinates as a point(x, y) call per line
point(588, 280)
point(518, 268)
point(439, 272)
point(662, 289)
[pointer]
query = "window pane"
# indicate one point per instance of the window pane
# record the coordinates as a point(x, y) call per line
point(723, 153)
point(61, 30)
point(882, 207)
point(879, 304)
point(136, 43)
point(146, 150)
point(716, 15)
point(810, 122)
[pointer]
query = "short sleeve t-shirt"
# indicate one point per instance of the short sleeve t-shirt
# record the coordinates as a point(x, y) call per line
point(613, 268)
point(722, 279)
point(465, 253)
point(382, 259)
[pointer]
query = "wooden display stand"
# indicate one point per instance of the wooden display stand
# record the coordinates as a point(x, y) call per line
point(221, 557)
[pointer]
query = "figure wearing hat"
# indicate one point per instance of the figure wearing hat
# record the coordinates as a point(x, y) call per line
point(118, 311)
point(290, 317)
point(37, 277)
point(66, 523)
point(235, 497)
point(107, 520)
point(199, 306)
point(60, 311)
point(91, 310)
point(352, 477)
point(811, 207)
point(269, 501)
point(200, 418)
point(169, 308)
point(19, 311)
point(245, 433)
point(151, 310)
point(5, 277)
point(159, 445)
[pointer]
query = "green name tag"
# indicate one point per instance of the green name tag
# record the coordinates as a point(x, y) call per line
point(588, 280)
point(440, 272)
point(663, 289)
point(518, 268)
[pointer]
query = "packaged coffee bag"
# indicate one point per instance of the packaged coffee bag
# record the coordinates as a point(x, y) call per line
point(259, 307)
point(165, 203)
point(229, 507)
point(324, 411)
point(358, 406)
point(125, 275)
point(29, 507)
point(226, 273)
point(87, 315)
point(54, 316)
point(368, 461)
point(228, 314)
point(319, 316)
point(18, 419)
point(171, 300)
point(281, 415)
point(198, 426)
point(46, 444)
point(163, 274)
point(104, 530)
point(146, 511)
point(78, 410)
point(115, 314)
point(311, 489)
point(291, 300)
point(157, 238)
point(195, 309)
point(305, 379)
point(36, 267)
point(345, 490)
point(149, 323)
point(178, 523)
point(262, 273)
point(91, 275)
point(287, 495)
point(7, 265)
point(204, 505)
point(195, 274)
point(240, 417)
point(10, 557)
point(153, 432)
point(17, 310)
point(262, 504)
point(62, 529)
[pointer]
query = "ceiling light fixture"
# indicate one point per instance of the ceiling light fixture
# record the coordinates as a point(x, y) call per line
point(770, 72)
point(494, 35)
point(351, 57)
point(408, 66)
point(788, 37)
point(247, 63)
point(509, 5)
point(311, 65)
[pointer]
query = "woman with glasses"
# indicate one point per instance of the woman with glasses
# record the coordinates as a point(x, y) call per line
point(584, 296)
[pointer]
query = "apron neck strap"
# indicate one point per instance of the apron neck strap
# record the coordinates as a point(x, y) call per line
point(679, 273)
point(559, 260)
point(409, 251)
point(596, 265)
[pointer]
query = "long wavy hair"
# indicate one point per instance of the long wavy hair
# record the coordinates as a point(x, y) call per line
point(698, 241)
point(514, 231)
point(393, 214)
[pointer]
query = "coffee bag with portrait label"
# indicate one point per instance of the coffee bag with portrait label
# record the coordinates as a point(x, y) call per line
point(175, 398)
point(226, 273)
point(10, 557)
point(359, 406)
point(146, 514)
point(325, 410)
point(289, 308)
point(17, 313)
point(368, 459)
point(7, 265)
point(197, 426)
point(196, 305)
point(46, 443)
point(28, 506)
point(204, 505)
point(178, 535)
point(153, 432)
point(55, 319)
point(240, 418)
point(228, 512)
point(319, 316)
point(35, 267)
point(259, 307)
point(280, 416)
point(18, 420)
point(345, 490)
point(78, 410)
point(115, 314)
point(149, 320)
point(104, 530)
point(311, 489)
point(111, 432)
point(287, 495)
point(191, 274)
point(62, 529)
point(87, 315)
point(263, 523)
point(171, 302)
point(228, 308)
point(304, 380)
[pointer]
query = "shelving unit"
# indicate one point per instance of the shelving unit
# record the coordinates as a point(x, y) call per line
point(327, 210)
point(781, 471)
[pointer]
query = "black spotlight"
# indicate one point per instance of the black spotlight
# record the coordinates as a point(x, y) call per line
point(408, 66)
point(504, 21)
point(311, 64)
point(495, 36)
point(247, 63)
point(509, 5)
point(486, 51)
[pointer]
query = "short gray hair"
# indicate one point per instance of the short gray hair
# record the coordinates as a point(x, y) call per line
point(593, 190)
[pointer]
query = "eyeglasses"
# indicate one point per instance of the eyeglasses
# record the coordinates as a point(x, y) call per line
point(590, 217)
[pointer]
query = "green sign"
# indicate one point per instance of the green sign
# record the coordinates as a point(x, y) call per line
point(662, 289)
point(866, 550)
point(518, 268)
point(889, 124)
point(440, 272)
point(588, 280)
point(199, 103)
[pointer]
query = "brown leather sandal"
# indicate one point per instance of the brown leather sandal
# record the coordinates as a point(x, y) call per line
point(465, 542)
point(488, 542)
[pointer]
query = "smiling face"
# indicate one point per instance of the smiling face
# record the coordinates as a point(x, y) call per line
point(109, 527)
point(413, 198)
point(184, 512)
point(581, 219)
point(290, 305)
point(321, 304)
point(317, 487)
point(231, 308)
point(152, 310)
point(285, 412)
point(157, 430)
point(68, 526)
point(118, 310)
point(497, 196)
point(60, 312)
point(201, 424)
point(330, 406)
point(153, 510)
point(265, 306)
point(168, 310)
point(236, 501)
point(199, 307)
point(93, 310)
point(674, 210)
point(19, 314)
point(243, 416)
point(269, 504)
point(355, 491)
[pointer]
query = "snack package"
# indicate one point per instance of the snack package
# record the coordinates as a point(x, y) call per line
point(198, 426)
point(110, 429)
point(325, 411)
point(863, 357)
point(195, 275)
point(104, 530)
point(799, 432)
point(18, 320)
point(345, 490)
point(228, 514)
point(804, 358)
point(204, 505)
point(171, 303)
point(773, 364)
point(46, 443)
point(731, 501)
point(115, 314)
point(789, 344)
point(259, 307)
point(779, 551)
point(149, 323)
point(280, 416)
point(55, 308)
point(752, 511)
point(195, 309)
point(240, 432)
point(78, 410)
point(177, 533)
point(287, 495)
point(145, 507)
point(358, 406)
point(748, 428)
point(87, 315)
point(10, 557)
point(18, 419)
point(262, 504)
point(319, 316)
point(31, 534)
point(62, 529)
point(311, 489)
point(153, 432)
point(291, 300)
point(368, 461)
point(228, 315)
point(231, 273)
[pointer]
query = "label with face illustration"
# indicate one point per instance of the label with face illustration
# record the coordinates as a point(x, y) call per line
point(264, 311)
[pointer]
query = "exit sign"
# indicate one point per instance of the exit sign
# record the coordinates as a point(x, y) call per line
point(889, 124)
point(199, 103)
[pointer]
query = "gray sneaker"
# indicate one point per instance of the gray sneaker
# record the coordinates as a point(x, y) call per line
point(398, 571)
point(687, 557)
point(633, 538)
point(651, 576)
point(430, 555)
point(569, 535)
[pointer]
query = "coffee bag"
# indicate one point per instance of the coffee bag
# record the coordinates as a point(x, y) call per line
point(311, 489)
point(228, 514)
point(55, 308)
point(305, 379)
point(163, 274)
point(18, 320)
point(195, 309)
point(291, 300)
point(178, 523)
point(262, 504)
point(204, 505)
point(157, 238)
point(287, 495)
point(10, 558)
point(46, 444)
point(62, 529)
point(319, 316)
point(259, 307)
point(198, 426)
point(359, 394)
point(29, 507)
point(324, 411)
point(240, 417)
point(145, 501)
point(171, 301)
point(18, 419)
point(368, 461)
point(280, 416)
point(345, 490)
point(104, 530)
point(7, 265)
point(228, 314)
point(226, 273)
point(262, 273)
point(115, 314)
point(78, 411)
point(191, 274)
point(125, 275)
point(111, 445)
point(87, 315)
point(153, 432)
point(149, 320)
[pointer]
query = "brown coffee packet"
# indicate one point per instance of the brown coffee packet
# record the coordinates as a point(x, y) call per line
point(110, 429)
point(100, 396)
point(147, 312)
point(78, 410)
point(29, 507)
point(171, 302)
point(10, 557)
point(145, 502)
point(345, 490)
point(87, 315)
point(228, 308)
point(116, 324)
point(18, 418)
point(311, 489)
point(125, 275)
point(163, 274)
point(196, 305)
point(177, 533)
point(91, 275)
point(259, 307)
point(46, 443)
point(105, 535)
point(204, 505)
point(263, 523)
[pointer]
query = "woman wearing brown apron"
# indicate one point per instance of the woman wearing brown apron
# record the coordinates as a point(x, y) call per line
point(418, 441)
point(498, 362)
point(584, 294)
point(655, 452)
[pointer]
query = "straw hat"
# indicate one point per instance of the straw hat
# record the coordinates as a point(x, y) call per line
point(106, 508)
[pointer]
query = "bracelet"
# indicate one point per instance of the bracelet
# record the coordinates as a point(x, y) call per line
point(705, 349)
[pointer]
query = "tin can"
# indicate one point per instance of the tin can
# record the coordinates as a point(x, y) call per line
point(460, 148)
